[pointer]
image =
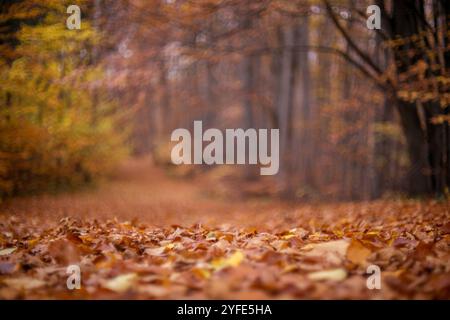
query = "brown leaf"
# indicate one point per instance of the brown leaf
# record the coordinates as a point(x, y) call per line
point(357, 252)
point(423, 250)
point(332, 252)
point(64, 251)
point(445, 229)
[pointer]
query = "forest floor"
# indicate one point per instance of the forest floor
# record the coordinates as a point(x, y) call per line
point(147, 235)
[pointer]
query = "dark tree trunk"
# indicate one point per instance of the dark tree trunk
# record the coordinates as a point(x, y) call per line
point(445, 5)
point(418, 177)
point(406, 23)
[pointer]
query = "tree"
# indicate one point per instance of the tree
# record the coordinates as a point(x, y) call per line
point(416, 80)
point(46, 133)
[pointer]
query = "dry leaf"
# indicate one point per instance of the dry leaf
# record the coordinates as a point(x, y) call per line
point(357, 252)
point(121, 283)
point(332, 275)
point(154, 291)
point(155, 251)
point(332, 251)
point(64, 251)
point(202, 273)
point(24, 283)
point(232, 261)
point(5, 252)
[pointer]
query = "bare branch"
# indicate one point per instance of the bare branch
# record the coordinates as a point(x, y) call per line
point(349, 40)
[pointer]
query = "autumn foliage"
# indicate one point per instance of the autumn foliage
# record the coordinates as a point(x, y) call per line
point(56, 130)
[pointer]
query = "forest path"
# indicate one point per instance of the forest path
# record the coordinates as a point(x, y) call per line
point(141, 191)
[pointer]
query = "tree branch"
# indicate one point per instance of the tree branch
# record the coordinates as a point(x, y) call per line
point(349, 40)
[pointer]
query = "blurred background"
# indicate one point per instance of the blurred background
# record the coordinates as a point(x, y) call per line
point(363, 114)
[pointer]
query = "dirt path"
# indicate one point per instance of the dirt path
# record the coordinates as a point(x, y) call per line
point(141, 191)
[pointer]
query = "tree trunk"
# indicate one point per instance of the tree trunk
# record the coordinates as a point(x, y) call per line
point(284, 107)
point(303, 137)
point(406, 23)
point(418, 177)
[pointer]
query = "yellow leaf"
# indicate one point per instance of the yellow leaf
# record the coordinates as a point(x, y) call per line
point(290, 268)
point(24, 283)
point(202, 273)
point(121, 283)
point(5, 252)
point(232, 261)
point(170, 246)
point(338, 233)
point(318, 236)
point(211, 236)
point(332, 275)
point(373, 233)
point(235, 259)
point(295, 232)
point(32, 243)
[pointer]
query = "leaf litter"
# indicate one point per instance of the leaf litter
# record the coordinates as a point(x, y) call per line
point(320, 257)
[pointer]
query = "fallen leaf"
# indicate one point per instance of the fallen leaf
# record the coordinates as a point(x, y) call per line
point(295, 232)
point(154, 291)
point(331, 251)
point(332, 275)
point(24, 283)
point(202, 273)
point(155, 251)
point(121, 283)
point(64, 251)
point(32, 243)
point(279, 245)
point(357, 252)
point(5, 252)
point(404, 242)
point(423, 250)
point(445, 229)
point(232, 261)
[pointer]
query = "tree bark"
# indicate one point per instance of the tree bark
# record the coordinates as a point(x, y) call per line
point(418, 177)
point(284, 105)
point(406, 23)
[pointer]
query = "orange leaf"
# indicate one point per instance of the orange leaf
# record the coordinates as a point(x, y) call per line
point(357, 252)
